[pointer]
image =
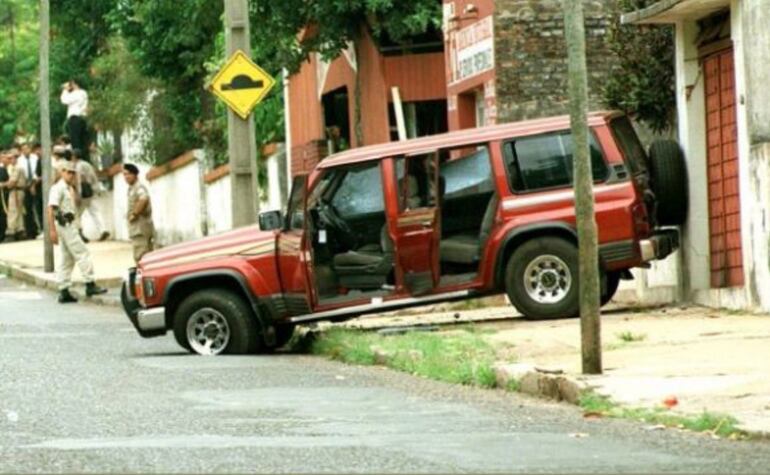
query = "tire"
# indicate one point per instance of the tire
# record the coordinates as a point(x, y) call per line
point(536, 256)
point(221, 312)
point(613, 281)
point(668, 179)
point(283, 334)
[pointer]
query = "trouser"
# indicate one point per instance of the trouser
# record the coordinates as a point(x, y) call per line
point(142, 244)
point(89, 206)
point(16, 213)
point(72, 250)
point(77, 129)
point(3, 223)
point(30, 216)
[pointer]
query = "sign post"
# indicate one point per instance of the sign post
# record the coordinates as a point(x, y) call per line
point(236, 88)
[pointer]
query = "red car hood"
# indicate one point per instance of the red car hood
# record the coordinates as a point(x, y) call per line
point(249, 241)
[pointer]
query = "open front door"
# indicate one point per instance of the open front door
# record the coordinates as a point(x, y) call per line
point(292, 265)
point(415, 223)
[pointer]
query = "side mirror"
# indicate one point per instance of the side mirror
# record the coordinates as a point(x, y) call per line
point(270, 220)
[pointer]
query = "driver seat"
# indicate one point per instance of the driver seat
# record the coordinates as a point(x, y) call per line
point(367, 267)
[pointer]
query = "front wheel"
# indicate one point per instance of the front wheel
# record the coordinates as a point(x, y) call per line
point(541, 279)
point(216, 321)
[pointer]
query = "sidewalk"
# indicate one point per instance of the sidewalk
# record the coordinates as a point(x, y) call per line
point(712, 360)
point(24, 261)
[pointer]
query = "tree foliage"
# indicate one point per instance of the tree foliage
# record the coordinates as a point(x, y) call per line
point(333, 23)
point(643, 84)
point(19, 112)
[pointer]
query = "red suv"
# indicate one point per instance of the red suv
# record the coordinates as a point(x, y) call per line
point(448, 217)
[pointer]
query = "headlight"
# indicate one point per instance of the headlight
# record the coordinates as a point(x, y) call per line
point(138, 291)
point(149, 287)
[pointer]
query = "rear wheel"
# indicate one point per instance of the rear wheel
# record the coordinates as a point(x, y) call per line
point(216, 321)
point(668, 180)
point(613, 281)
point(541, 279)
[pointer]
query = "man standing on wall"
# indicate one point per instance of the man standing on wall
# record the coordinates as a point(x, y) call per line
point(64, 233)
point(140, 227)
point(76, 100)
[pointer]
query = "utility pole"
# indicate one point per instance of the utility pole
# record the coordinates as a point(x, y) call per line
point(241, 142)
point(590, 324)
point(45, 128)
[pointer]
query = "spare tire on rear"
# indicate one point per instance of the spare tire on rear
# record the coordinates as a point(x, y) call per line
point(668, 179)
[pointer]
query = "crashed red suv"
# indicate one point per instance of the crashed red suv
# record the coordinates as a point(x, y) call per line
point(448, 217)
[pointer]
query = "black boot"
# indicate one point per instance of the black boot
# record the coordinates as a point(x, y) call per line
point(66, 297)
point(93, 289)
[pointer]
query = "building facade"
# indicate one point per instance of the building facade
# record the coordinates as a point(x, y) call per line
point(493, 61)
point(723, 107)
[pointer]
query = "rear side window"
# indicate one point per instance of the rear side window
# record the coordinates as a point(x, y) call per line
point(629, 144)
point(545, 161)
point(467, 175)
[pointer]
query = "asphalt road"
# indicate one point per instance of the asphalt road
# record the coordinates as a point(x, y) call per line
point(81, 392)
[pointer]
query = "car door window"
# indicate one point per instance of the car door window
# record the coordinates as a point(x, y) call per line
point(295, 212)
point(545, 161)
point(468, 175)
point(360, 192)
point(416, 180)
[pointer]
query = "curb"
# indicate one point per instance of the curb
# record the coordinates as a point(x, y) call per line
point(540, 382)
point(47, 282)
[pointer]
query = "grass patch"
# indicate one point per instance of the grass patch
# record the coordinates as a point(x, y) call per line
point(630, 337)
point(461, 357)
point(717, 424)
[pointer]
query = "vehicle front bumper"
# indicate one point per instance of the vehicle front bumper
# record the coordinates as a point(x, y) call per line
point(660, 245)
point(147, 322)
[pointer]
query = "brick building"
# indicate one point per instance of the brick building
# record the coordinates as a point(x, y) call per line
point(494, 61)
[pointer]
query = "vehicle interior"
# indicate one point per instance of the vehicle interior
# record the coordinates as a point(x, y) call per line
point(468, 207)
point(353, 253)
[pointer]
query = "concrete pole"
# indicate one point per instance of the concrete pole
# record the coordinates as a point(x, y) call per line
point(590, 324)
point(45, 128)
point(242, 147)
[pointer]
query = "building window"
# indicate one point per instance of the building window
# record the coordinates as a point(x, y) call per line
point(421, 118)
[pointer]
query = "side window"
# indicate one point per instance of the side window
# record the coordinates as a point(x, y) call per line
point(360, 191)
point(416, 177)
point(545, 161)
point(468, 175)
point(295, 213)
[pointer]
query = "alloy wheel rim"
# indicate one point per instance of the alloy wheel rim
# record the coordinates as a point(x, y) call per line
point(547, 279)
point(208, 332)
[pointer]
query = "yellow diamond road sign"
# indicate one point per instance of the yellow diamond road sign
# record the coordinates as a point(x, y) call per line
point(241, 84)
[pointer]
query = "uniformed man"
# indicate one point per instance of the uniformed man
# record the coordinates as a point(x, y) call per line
point(140, 227)
point(16, 191)
point(64, 232)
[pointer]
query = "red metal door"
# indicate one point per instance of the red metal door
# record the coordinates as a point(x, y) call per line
point(417, 220)
point(724, 192)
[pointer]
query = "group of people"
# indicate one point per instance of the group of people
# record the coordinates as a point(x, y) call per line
point(21, 199)
point(75, 184)
point(67, 203)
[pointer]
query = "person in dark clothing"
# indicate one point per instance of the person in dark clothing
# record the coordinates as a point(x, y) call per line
point(29, 164)
point(4, 177)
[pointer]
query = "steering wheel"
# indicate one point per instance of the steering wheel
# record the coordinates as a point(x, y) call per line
point(332, 220)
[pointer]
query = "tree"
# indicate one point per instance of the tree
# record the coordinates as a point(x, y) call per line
point(644, 83)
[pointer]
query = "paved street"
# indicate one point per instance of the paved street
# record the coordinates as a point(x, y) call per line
point(81, 392)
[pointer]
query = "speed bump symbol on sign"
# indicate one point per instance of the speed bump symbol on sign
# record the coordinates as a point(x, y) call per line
point(241, 84)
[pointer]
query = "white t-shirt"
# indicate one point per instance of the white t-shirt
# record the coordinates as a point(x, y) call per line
point(76, 102)
point(22, 163)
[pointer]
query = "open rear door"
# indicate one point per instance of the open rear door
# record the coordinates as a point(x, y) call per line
point(415, 221)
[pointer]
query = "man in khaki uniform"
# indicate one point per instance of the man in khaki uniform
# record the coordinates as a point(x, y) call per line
point(17, 185)
point(64, 232)
point(140, 227)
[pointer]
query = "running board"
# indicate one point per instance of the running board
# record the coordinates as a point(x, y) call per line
point(381, 306)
